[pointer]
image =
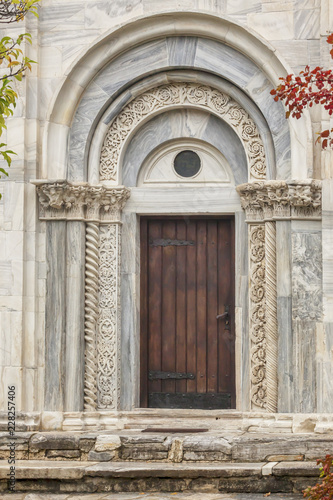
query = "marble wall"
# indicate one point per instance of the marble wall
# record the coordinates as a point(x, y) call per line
point(293, 33)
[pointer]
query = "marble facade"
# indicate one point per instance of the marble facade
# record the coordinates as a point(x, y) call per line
point(117, 83)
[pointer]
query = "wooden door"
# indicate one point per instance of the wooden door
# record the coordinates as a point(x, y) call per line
point(187, 280)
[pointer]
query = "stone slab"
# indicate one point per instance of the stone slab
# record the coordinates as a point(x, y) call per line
point(296, 469)
point(136, 470)
point(37, 469)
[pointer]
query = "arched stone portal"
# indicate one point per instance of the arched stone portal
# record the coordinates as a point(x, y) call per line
point(140, 87)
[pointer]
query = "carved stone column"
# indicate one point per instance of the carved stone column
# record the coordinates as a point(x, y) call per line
point(100, 207)
point(266, 202)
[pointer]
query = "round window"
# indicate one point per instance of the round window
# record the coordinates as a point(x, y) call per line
point(187, 163)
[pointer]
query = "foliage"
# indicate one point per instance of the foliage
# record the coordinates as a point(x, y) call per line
point(14, 10)
point(13, 63)
point(323, 490)
point(308, 88)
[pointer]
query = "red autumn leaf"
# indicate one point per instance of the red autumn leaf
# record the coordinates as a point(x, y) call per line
point(326, 133)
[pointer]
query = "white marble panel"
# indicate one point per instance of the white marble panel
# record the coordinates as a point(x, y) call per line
point(188, 200)
point(6, 277)
point(225, 61)
point(272, 25)
point(241, 7)
point(50, 63)
point(28, 389)
point(10, 376)
point(104, 14)
point(29, 328)
point(15, 133)
point(5, 338)
point(56, 139)
point(65, 16)
point(307, 23)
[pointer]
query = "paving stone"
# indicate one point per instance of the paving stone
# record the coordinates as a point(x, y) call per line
point(107, 442)
point(54, 441)
point(87, 443)
point(101, 456)
point(61, 454)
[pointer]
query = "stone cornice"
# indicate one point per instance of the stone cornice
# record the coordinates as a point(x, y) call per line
point(61, 200)
point(275, 200)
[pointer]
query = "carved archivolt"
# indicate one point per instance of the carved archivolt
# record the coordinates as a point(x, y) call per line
point(281, 199)
point(61, 200)
point(184, 95)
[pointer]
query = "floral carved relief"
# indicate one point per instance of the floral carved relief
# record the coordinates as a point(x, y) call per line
point(257, 316)
point(61, 200)
point(183, 94)
point(108, 324)
point(281, 199)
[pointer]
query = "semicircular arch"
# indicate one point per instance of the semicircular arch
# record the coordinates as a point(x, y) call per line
point(252, 64)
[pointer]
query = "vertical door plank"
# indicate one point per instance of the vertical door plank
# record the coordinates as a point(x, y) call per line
point(212, 307)
point(224, 277)
point(202, 306)
point(191, 305)
point(181, 305)
point(144, 313)
point(169, 305)
point(154, 302)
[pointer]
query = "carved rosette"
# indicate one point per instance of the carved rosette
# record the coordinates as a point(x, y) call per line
point(257, 316)
point(62, 200)
point(183, 94)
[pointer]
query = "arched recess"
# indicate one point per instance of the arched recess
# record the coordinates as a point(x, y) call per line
point(125, 64)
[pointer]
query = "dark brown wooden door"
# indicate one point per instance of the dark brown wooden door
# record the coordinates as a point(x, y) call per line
point(187, 280)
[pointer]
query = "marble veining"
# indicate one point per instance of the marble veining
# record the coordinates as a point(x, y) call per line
point(307, 276)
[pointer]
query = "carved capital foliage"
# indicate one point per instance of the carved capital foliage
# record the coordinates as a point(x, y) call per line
point(274, 200)
point(61, 200)
point(185, 95)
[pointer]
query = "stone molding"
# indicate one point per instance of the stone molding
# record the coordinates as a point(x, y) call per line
point(184, 94)
point(276, 200)
point(62, 200)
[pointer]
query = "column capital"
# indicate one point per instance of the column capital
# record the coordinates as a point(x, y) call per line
point(280, 200)
point(63, 200)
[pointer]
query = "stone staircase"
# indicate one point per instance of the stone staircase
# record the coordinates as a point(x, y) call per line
point(163, 459)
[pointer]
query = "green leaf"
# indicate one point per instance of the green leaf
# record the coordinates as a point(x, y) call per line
point(4, 172)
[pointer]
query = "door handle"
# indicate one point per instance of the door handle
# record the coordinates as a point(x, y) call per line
point(225, 316)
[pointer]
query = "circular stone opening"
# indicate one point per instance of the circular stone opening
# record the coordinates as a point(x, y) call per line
point(187, 163)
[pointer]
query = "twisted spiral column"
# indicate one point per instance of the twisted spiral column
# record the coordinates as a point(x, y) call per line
point(91, 315)
point(271, 317)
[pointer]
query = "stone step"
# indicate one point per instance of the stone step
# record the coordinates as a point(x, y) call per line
point(166, 446)
point(87, 477)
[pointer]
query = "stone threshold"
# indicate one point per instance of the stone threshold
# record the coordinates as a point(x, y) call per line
point(85, 477)
point(223, 420)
